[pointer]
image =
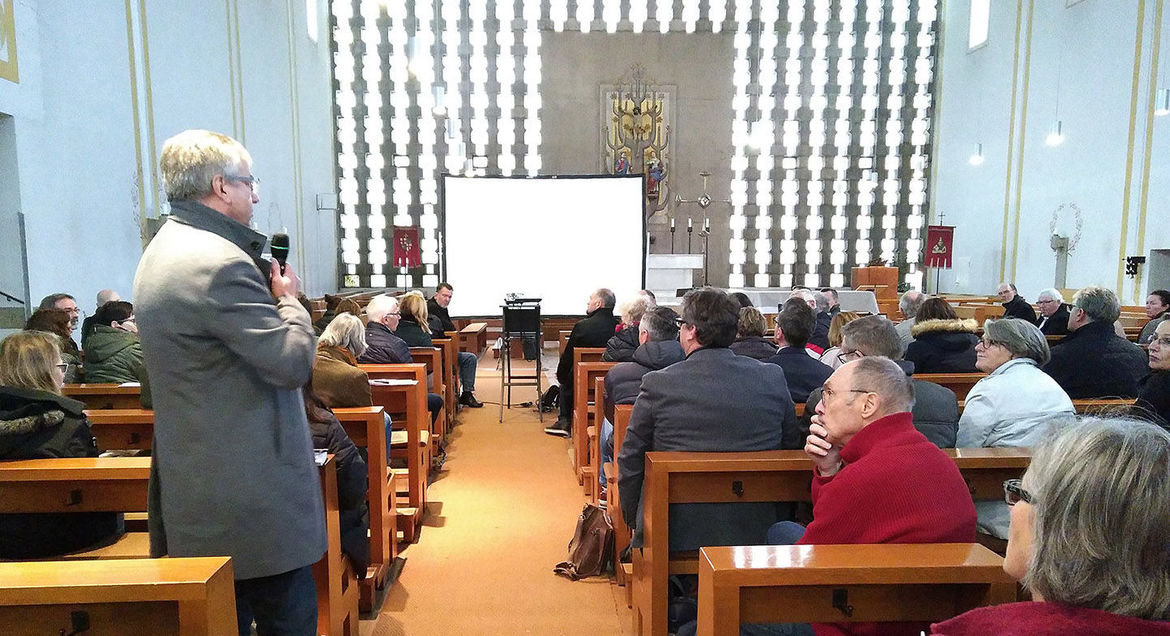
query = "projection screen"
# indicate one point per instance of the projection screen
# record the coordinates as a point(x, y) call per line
point(556, 238)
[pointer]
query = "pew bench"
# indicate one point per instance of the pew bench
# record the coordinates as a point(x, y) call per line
point(473, 338)
point(960, 383)
point(104, 396)
point(337, 588)
point(182, 596)
point(586, 430)
point(450, 356)
point(432, 359)
point(846, 583)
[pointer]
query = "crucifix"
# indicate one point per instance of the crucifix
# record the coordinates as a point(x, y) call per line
point(704, 201)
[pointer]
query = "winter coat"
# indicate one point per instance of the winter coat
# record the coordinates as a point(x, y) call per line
point(1019, 308)
point(383, 347)
point(624, 380)
point(943, 346)
point(112, 355)
point(594, 330)
point(413, 334)
point(1094, 362)
point(1154, 398)
point(445, 324)
point(802, 372)
point(37, 425)
point(1036, 618)
point(757, 347)
point(620, 348)
point(1056, 324)
point(352, 485)
point(337, 380)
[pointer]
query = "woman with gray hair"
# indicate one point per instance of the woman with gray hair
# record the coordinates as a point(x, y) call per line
point(1089, 527)
point(336, 377)
point(1014, 405)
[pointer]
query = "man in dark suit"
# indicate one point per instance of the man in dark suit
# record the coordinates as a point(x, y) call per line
point(1014, 305)
point(714, 400)
point(1053, 320)
point(804, 373)
point(593, 331)
point(1093, 361)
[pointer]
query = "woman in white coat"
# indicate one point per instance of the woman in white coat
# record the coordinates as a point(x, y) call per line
point(1015, 405)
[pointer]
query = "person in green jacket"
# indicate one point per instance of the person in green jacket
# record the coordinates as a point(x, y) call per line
point(112, 351)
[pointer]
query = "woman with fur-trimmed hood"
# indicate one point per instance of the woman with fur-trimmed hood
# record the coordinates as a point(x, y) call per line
point(943, 343)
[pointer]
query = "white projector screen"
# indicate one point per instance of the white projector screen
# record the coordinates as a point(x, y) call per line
point(554, 238)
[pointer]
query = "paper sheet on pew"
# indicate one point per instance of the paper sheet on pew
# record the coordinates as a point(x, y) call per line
point(131, 384)
point(392, 382)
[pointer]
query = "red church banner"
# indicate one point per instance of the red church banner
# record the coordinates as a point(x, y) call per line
point(406, 252)
point(940, 239)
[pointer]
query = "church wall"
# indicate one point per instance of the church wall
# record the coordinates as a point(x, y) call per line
point(1076, 63)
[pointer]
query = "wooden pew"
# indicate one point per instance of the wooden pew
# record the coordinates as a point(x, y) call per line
point(473, 338)
point(432, 359)
point(585, 429)
point(121, 429)
point(450, 349)
point(407, 403)
point(183, 596)
point(764, 476)
point(846, 583)
point(621, 528)
point(597, 413)
point(104, 396)
point(337, 589)
point(580, 434)
point(960, 383)
point(1089, 406)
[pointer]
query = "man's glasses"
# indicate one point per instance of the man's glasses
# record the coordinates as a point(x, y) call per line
point(252, 181)
point(1013, 492)
point(680, 322)
point(846, 356)
point(62, 366)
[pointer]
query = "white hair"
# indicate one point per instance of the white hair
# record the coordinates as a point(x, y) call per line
point(379, 306)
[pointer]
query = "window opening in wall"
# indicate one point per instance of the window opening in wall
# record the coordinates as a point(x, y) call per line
point(979, 25)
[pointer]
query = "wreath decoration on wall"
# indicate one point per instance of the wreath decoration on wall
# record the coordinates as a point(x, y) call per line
point(1078, 221)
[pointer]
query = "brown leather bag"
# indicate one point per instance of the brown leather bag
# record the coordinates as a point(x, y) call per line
point(591, 549)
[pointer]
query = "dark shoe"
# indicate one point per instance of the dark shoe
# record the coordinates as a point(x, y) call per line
point(468, 399)
point(561, 429)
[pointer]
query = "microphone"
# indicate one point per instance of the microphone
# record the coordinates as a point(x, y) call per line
point(279, 247)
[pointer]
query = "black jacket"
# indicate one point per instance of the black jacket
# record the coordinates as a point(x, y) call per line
point(624, 380)
point(802, 371)
point(935, 412)
point(39, 425)
point(1094, 362)
point(412, 333)
point(383, 347)
point(352, 484)
point(444, 317)
point(943, 346)
point(1018, 308)
point(1057, 323)
point(620, 348)
point(594, 330)
point(1154, 399)
point(757, 347)
point(820, 334)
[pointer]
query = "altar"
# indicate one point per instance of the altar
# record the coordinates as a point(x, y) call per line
point(769, 299)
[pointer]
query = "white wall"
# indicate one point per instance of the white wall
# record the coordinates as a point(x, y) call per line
point(1003, 208)
point(79, 148)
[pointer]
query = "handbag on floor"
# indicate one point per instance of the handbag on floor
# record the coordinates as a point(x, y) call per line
point(591, 549)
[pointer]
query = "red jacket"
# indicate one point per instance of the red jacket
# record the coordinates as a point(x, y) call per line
point(896, 487)
point(1041, 619)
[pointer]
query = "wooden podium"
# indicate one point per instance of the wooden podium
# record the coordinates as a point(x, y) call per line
point(883, 282)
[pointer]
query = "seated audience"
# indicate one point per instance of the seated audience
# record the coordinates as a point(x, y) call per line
point(592, 331)
point(1157, 310)
point(908, 304)
point(713, 400)
point(875, 478)
point(337, 380)
point(68, 304)
point(352, 479)
point(1014, 305)
point(1089, 522)
point(412, 323)
point(820, 334)
point(103, 297)
point(1093, 361)
point(112, 351)
point(834, 300)
point(831, 356)
point(468, 361)
point(750, 340)
point(620, 348)
point(37, 422)
point(936, 410)
point(1154, 397)
point(794, 325)
point(658, 348)
point(943, 343)
point(1015, 405)
point(1053, 320)
point(56, 322)
point(384, 347)
point(335, 305)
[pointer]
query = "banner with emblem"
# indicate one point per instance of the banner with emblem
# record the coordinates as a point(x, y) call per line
point(940, 239)
point(406, 253)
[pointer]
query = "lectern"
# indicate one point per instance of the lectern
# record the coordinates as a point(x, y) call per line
point(521, 322)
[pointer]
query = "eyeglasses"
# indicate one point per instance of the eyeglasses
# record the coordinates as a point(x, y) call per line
point(62, 366)
point(252, 181)
point(827, 392)
point(680, 322)
point(846, 356)
point(1045, 302)
point(987, 344)
point(1013, 492)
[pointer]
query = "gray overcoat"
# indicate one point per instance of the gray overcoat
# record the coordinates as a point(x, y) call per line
point(233, 470)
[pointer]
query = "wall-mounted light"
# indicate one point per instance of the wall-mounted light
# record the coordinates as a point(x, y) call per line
point(1055, 135)
point(976, 158)
point(1162, 103)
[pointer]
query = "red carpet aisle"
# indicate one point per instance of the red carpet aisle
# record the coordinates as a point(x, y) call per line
point(500, 516)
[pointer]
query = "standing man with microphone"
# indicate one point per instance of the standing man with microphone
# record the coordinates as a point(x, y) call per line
point(228, 348)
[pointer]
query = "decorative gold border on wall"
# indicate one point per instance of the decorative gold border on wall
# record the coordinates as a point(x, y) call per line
point(1023, 137)
point(1151, 98)
point(152, 147)
point(295, 108)
point(1133, 110)
point(137, 119)
point(235, 68)
point(1007, 180)
point(9, 68)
